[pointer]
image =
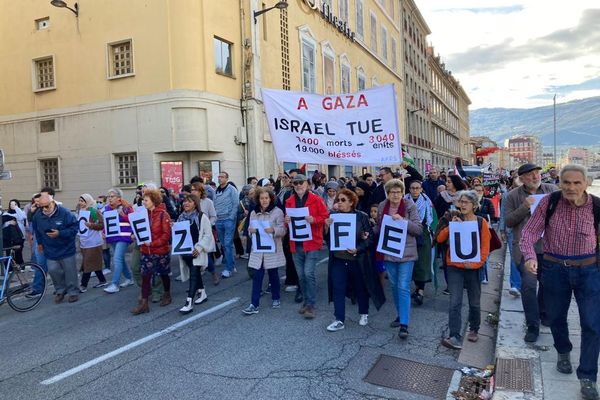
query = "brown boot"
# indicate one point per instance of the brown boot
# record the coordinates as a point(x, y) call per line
point(216, 278)
point(141, 308)
point(166, 299)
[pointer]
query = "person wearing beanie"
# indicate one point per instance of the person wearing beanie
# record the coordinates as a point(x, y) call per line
point(90, 243)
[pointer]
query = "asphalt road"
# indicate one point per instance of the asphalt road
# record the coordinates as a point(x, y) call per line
point(221, 354)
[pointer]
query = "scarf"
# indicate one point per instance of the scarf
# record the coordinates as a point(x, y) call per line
point(192, 217)
point(449, 197)
point(424, 207)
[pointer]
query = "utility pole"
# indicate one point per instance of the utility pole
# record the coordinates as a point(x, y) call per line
point(4, 175)
point(555, 160)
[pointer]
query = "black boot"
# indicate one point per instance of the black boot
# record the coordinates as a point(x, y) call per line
point(299, 298)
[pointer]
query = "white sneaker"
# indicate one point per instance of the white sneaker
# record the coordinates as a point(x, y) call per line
point(291, 288)
point(336, 326)
point(225, 274)
point(514, 292)
point(82, 289)
point(364, 319)
point(126, 282)
point(202, 297)
point(112, 288)
point(106, 271)
point(188, 307)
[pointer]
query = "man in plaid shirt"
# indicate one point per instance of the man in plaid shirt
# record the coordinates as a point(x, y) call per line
point(570, 266)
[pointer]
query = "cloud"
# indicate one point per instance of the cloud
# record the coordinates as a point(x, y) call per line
point(589, 84)
point(485, 10)
point(564, 44)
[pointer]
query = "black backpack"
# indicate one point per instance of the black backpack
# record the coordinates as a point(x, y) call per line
point(555, 198)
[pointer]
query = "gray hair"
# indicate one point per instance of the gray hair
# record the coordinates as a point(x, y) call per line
point(116, 191)
point(574, 168)
point(470, 195)
point(150, 185)
point(394, 183)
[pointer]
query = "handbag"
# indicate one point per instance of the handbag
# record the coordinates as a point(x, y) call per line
point(495, 242)
point(242, 223)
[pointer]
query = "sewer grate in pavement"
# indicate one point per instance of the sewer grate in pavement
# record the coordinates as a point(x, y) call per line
point(410, 376)
point(514, 374)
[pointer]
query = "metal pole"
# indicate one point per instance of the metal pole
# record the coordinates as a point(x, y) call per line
point(555, 160)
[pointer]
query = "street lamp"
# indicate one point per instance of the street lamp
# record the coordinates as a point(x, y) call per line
point(63, 4)
point(282, 4)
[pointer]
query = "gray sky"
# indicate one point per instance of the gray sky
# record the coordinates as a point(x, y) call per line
point(518, 53)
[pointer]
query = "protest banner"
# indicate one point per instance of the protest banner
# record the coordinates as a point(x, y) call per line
point(536, 201)
point(262, 242)
point(350, 129)
point(83, 217)
point(298, 227)
point(342, 232)
point(140, 225)
point(112, 226)
point(181, 238)
point(392, 237)
point(464, 242)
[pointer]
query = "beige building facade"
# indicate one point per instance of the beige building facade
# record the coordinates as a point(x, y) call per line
point(104, 98)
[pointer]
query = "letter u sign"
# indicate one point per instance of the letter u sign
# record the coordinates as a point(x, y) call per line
point(464, 242)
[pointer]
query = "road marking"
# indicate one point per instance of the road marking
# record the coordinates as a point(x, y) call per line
point(137, 343)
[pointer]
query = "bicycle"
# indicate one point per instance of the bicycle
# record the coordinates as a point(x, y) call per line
point(18, 283)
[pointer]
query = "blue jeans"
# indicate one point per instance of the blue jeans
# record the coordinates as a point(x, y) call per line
point(40, 259)
point(559, 283)
point(400, 274)
point(306, 263)
point(225, 229)
point(257, 280)
point(341, 271)
point(515, 276)
point(121, 267)
point(106, 257)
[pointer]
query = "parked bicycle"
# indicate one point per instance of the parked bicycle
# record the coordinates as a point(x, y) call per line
point(23, 286)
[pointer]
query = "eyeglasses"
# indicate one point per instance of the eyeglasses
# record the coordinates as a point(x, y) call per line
point(341, 200)
point(395, 192)
point(415, 188)
point(297, 183)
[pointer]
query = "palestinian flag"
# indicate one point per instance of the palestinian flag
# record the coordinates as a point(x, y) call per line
point(458, 169)
point(408, 159)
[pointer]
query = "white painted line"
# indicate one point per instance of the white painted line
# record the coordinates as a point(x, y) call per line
point(323, 260)
point(137, 343)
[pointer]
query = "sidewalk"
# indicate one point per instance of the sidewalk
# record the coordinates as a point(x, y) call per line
point(548, 383)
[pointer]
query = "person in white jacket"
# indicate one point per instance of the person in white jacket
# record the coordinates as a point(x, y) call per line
point(204, 243)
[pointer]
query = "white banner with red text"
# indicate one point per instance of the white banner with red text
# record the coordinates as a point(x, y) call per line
point(347, 129)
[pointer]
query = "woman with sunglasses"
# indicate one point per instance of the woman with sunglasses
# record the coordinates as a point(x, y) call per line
point(428, 217)
point(400, 270)
point(352, 267)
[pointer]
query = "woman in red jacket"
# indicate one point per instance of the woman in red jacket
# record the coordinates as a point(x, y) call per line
point(155, 255)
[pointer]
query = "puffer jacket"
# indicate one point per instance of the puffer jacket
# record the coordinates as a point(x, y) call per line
point(160, 229)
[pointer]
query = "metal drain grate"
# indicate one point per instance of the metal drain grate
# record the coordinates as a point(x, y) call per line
point(514, 374)
point(410, 376)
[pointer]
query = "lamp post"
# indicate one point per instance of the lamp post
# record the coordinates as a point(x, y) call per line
point(412, 122)
point(554, 108)
point(63, 4)
point(280, 5)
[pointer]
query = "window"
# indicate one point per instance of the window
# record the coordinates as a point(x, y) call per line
point(360, 29)
point(49, 173)
point(47, 125)
point(44, 74)
point(373, 32)
point(309, 71)
point(328, 74)
point(384, 49)
point(394, 55)
point(126, 169)
point(223, 57)
point(345, 75)
point(120, 59)
point(343, 5)
point(361, 79)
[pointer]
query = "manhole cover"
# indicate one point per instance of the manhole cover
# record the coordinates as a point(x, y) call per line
point(410, 376)
point(514, 374)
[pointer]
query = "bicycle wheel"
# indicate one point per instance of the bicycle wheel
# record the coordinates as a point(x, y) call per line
point(20, 295)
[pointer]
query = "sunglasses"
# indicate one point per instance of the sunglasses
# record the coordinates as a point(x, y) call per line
point(341, 200)
point(297, 183)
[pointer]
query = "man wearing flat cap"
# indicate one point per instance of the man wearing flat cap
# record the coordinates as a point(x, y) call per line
point(516, 214)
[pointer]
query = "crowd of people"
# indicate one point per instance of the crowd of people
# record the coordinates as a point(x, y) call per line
point(551, 234)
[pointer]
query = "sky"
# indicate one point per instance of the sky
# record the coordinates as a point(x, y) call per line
point(518, 54)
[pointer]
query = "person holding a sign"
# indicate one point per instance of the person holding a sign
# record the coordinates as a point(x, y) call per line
point(267, 228)
point(463, 266)
point(155, 255)
point(203, 243)
point(306, 239)
point(350, 238)
point(90, 241)
point(117, 232)
point(398, 245)
point(208, 208)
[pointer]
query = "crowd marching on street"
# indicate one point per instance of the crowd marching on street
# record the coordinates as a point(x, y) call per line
point(550, 227)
